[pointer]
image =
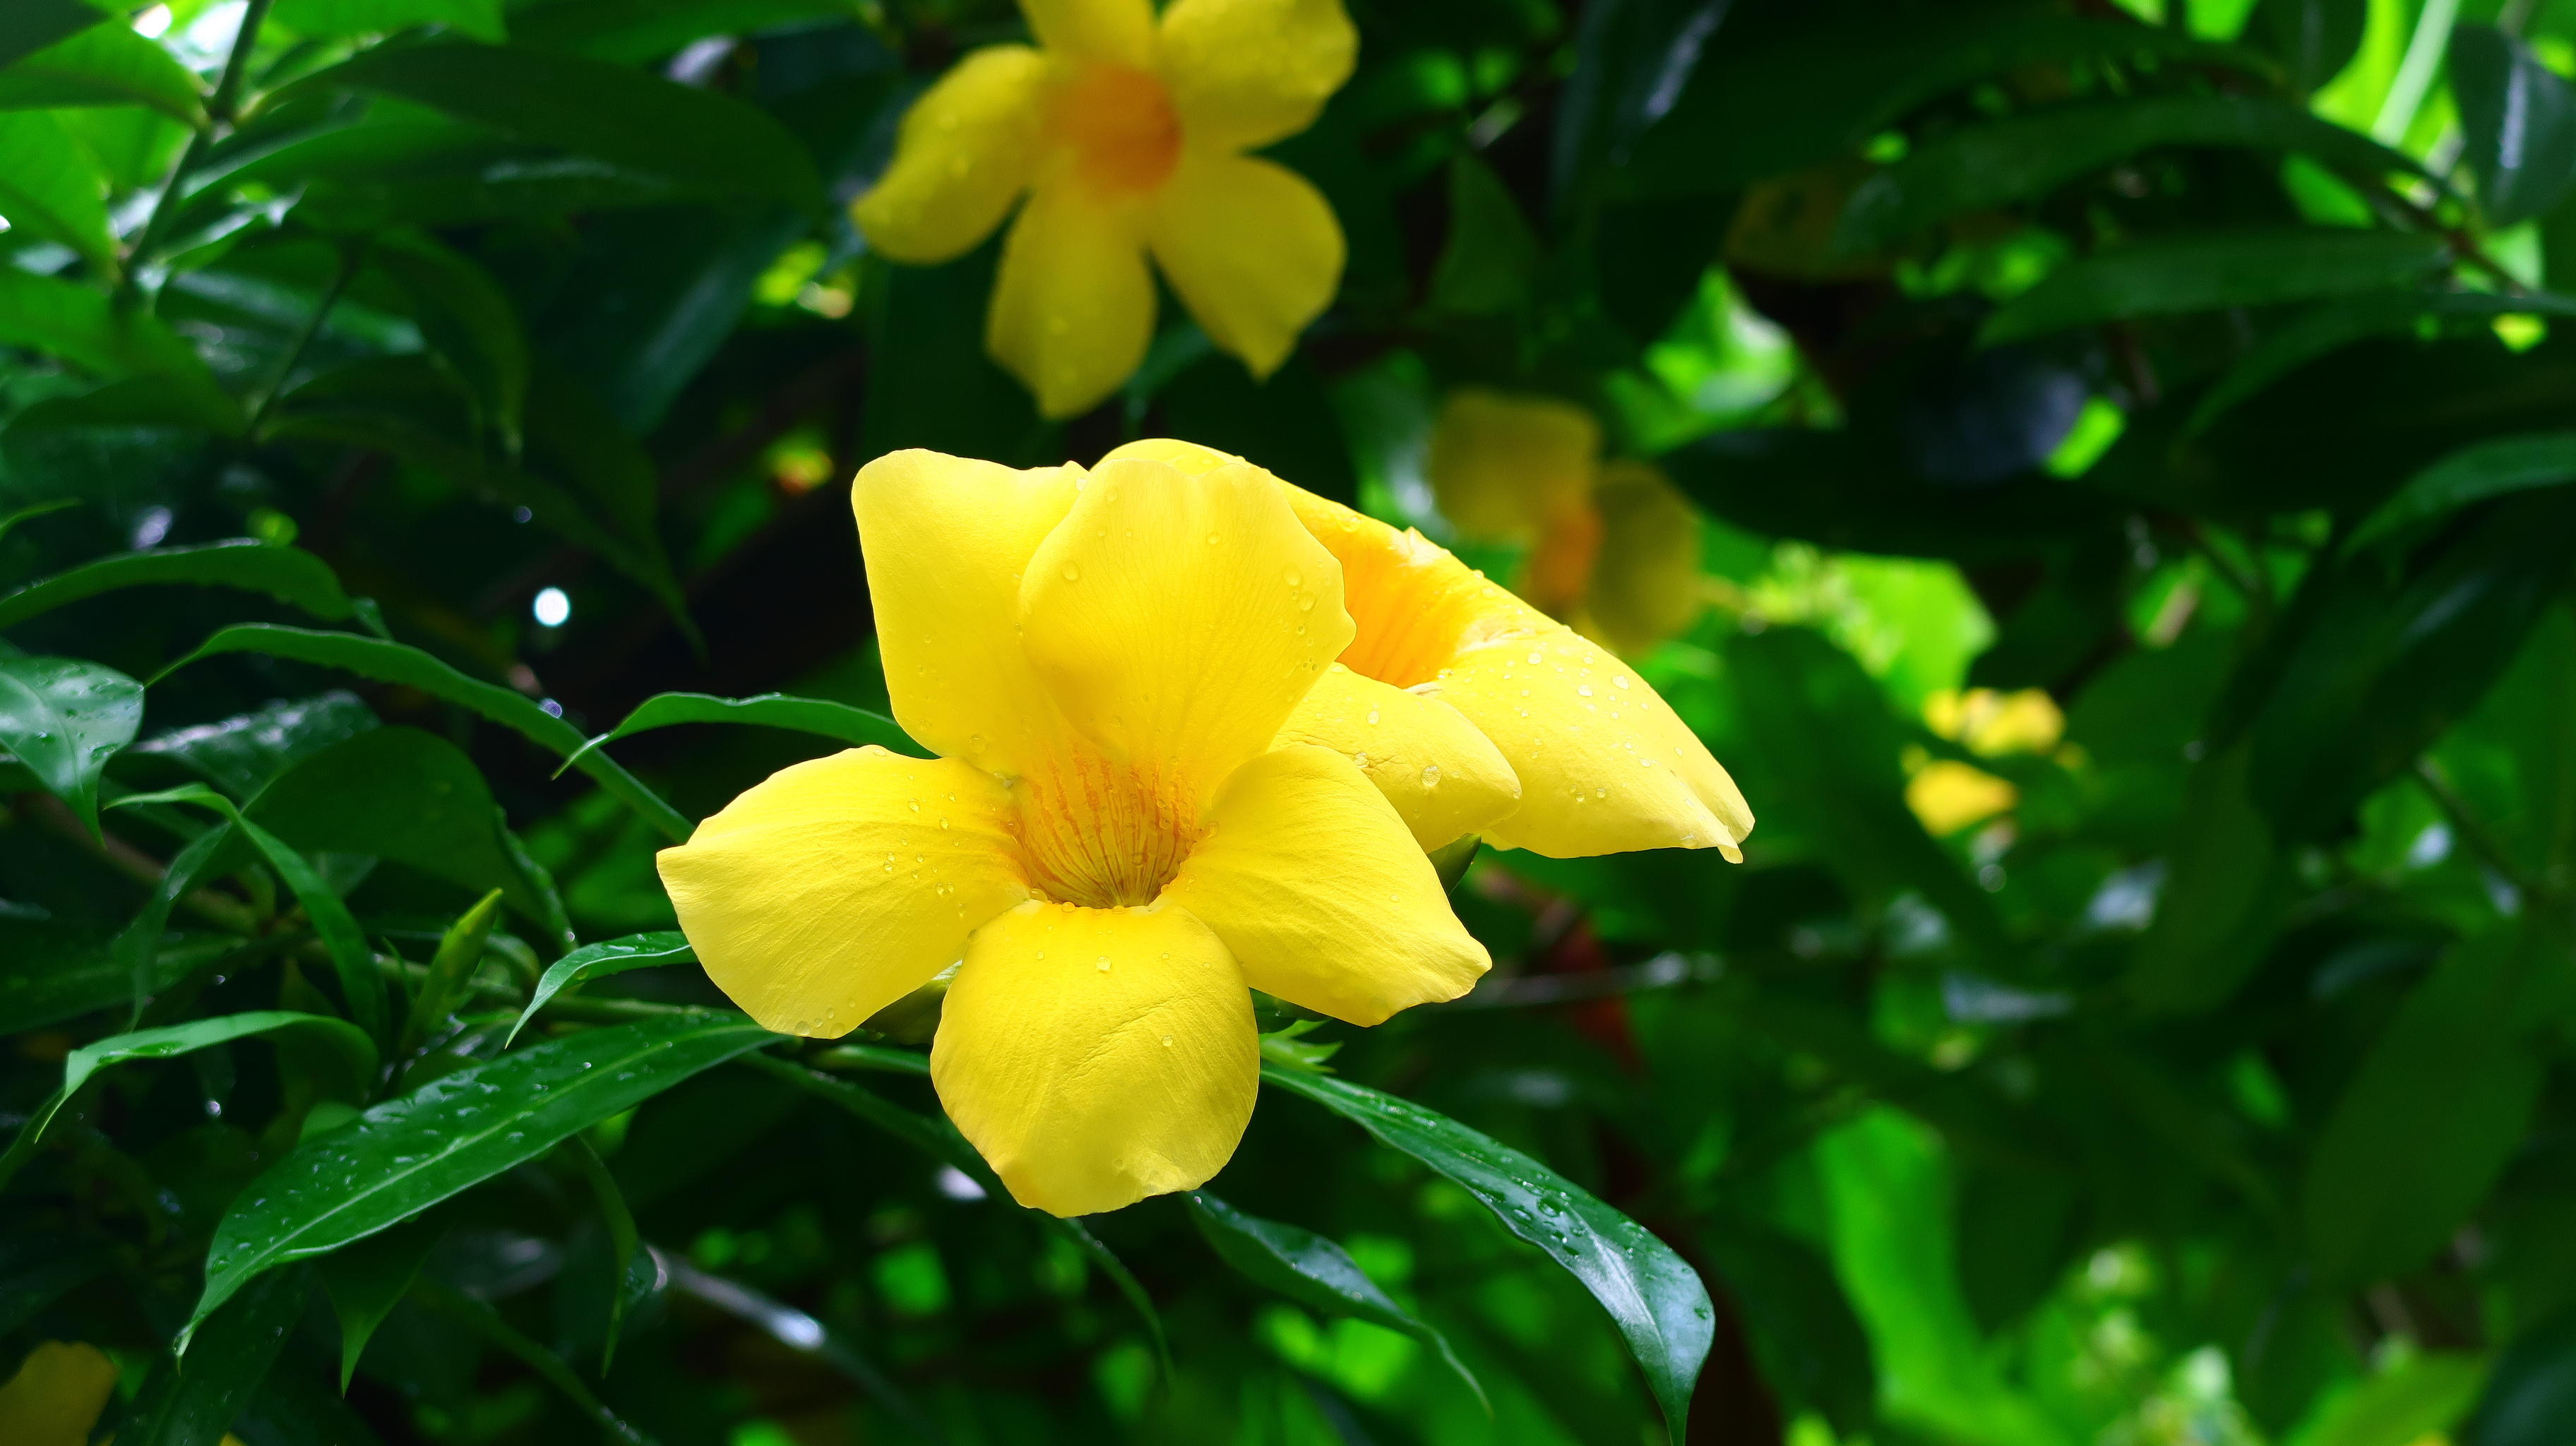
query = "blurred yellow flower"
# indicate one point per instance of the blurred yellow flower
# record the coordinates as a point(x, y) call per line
point(1127, 134)
point(1613, 549)
point(1599, 763)
point(57, 1394)
point(1948, 795)
point(1120, 834)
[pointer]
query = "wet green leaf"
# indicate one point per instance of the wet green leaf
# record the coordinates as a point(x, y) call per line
point(64, 719)
point(1653, 1297)
point(407, 1154)
point(857, 727)
point(287, 574)
point(594, 961)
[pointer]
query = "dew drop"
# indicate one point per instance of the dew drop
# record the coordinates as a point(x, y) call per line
point(1619, 682)
point(1537, 656)
point(1359, 760)
point(1372, 717)
point(1583, 690)
point(1431, 775)
point(1600, 793)
point(1104, 963)
point(1293, 578)
point(1167, 1041)
point(1072, 572)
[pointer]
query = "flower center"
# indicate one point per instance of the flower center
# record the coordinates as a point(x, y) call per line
point(1099, 833)
point(1120, 125)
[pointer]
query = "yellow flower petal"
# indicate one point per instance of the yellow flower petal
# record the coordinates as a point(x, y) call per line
point(833, 888)
point(56, 1396)
point(964, 154)
point(1646, 583)
point(1502, 466)
point(946, 539)
point(1605, 766)
point(1118, 31)
point(1245, 73)
point(1098, 1056)
point(1177, 620)
point(1250, 247)
point(1948, 795)
point(1322, 895)
point(1444, 779)
point(1073, 307)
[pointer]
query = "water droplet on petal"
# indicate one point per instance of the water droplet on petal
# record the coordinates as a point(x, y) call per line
point(1167, 1041)
point(1104, 963)
point(1431, 775)
point(1072, 572)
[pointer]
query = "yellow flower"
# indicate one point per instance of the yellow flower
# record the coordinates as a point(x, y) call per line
point(1601, 764)
point(57, 1395)
point(1948, 795)
point(1126, 133)
point(1613, 549)
point(1113, 839)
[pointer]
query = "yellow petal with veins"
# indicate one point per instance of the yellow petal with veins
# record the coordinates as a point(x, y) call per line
point(1245, 73)
point(946, 540)
point(1098, 1056)
point(56, 1396)
point(833, 888)
point(1645, 587)
point(1177, 620)
point(967, 149)
point(1503, 465)
point(1073, 305)
point(1117, 31)
point(1444, 778)
point(1322, 894)
point(1251, 248)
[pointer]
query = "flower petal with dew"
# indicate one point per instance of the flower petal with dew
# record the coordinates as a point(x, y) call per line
point(1098, 1055)
point(1125, 131)
point(1604, 765)
point(834, 888)
point(967, 150)
point(1445, 780)
point(1114, 839)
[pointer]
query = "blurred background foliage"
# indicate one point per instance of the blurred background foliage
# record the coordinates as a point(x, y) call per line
point(2129, 449)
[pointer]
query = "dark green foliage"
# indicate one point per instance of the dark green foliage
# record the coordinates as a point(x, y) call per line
point(2207, 367)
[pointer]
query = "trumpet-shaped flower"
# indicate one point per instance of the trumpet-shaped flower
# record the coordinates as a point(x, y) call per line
point(1120, 838)
point(1600, 762)
point(1613, 549)
point(1126, 133)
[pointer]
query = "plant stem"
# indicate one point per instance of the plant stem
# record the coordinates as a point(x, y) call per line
point(347, 268)
point(221, 109)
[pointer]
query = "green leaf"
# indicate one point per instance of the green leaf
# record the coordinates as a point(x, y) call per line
point(451, 969)
point(242, 754)
point(351, 960)
point(192, 1405)
point(287, 574)
point(389, 662)
point(619, 1222)
point(2334, 324)
point(1653, 1297)
point(480, 1317)
point(2314, 38)
point(82, 326)
point(2417, 1397)
point(699, 137)
point(596, 961)
point(1491, 258)
point(105, 65)
point(451, 1134)
point(2517, 124)
point(1313, 1271)
point(2531, 1396)
point(2387, 665)
point(51, 189)
point(857, 727)
point(465, 315)
point(2031, 154)
point(2174, 275)
point(40, 987)
point(321, 19)
point(2472, 474)
point(2222, 901)
point(28, 26)
point(412, 798)
point(351, 1044)
point(2438, 1107)
point(635, 32)
point(64, 719)
point(368, 1279)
